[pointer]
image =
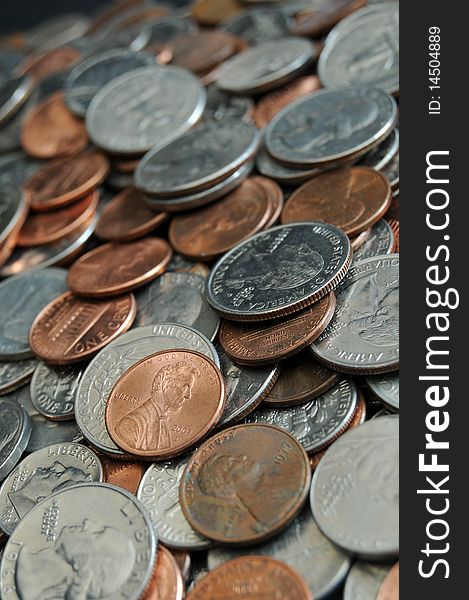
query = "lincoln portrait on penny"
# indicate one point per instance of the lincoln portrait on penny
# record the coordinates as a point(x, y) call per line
point(146, 427)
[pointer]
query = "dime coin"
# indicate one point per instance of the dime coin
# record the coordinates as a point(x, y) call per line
point(352, 199)
point(15, 431)
point(364, 580)
point(265, 66)
point(114, 360)
point(355, 493)
point(159, 494)
point(257, 25)
point(380, 241)
point(177, 298)
point(363, 336)
point(260, 343)
point(126, 217)
point(389, 589)
point(50, 130)
point(41, 474)
point(13, 94)
point(198, 159)
point(124, 474)
point(13, 211)
point(100, 525)
point(147, 106)
point(379, 157)
point(166, 581)
point(330, 125)
point(252, 574)
point(279, 271)
point(215, 229)
point(322, 565)
point(88, 77)
point(53, 390)
point(114, 269)
point(386, 388)
point(245, 484)
point(63, 181)
point(21, 298)
point(319, 17)
point(14, 374)
point(221, 106)
point(44, 228)
point(317, 423)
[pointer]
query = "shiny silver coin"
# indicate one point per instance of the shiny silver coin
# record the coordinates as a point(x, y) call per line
point(41, 474)
point(278, 271)
point(13, 94)
point(322, 565)
point(383, 153)
point(16, 167)
point(317, 423)
point(386, 388)
point(15, 430)
point(177, 298)
point(256, 26)
point(89, 76)
point(392, 172)
point(221, 106)
point(161, 31)
point(380, 241)
point(143, 108)
point(270, 167)
point(53, 390)
point(265, 66)
point(93, 539)
point(197, 160)
point(355, 490)
point(14, 374)
point(22, 298)
point(364, 51)
point(112, 362)
point(364, 580)
point(12, 209)
point(159, 494)
point(363, 336)
point(56, 31)
point(330, 125)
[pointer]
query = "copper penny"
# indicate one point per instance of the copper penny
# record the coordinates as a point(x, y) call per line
point(352, 199)
point(113, 269)
point(275, 197)
point(40, 66)
point(214, 229)
point(394, 223)
point(126, 217)
point(271, 104)
point(327, 14)
point(245, 484)
point(44, 228)
point(211, 12)
point(125, 166)
point(252, 578)
point(183, 560)
point(166, 582)
point(64, 180)
point(50, 130)
point(111, 11)
point(263, 343)
point(389, 588)
point(70, 329)
point(358, 241)
point(301, 379)
point(126, 474)
point(165, 403)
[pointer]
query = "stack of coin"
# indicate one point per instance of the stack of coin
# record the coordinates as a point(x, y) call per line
point(204, 401)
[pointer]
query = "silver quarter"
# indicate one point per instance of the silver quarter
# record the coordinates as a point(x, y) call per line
point(159, 494)
point(380, 156)
point(22, 298)
point(257, 25)
point(221, 106)
point(112, 362)
point(355, 490)
point(14, 374)
point(15, 430)
point(12, 206)
point(41, 474)
point(364, 580)
point(278, 271)
point(92, 539)
point(322, 565)
point(386, 388)
point(379, 242)
point(363, 335)
point(330, 125)
point(147, 106)
point(53, 390)
point(177, 298)
point(317, 423)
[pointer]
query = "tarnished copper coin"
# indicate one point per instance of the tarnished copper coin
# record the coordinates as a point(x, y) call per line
point(261, 343)
point(113, 269)
point(64, 180)
point(70, 329)
point(50, 130)
point(245, 484)
point(165, 403)
point(352, 199)
point(252, 578)
point(44, 228)
point(324, 15)
point(389, 589)
point(214, 229)
point(301, 379)
point(212, 12)
point(271, 104)
point(166, 582)
point(126, 217)
point(125, 474)
point(40, 66)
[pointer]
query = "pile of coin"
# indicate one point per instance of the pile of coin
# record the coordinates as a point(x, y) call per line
point(199, 236)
